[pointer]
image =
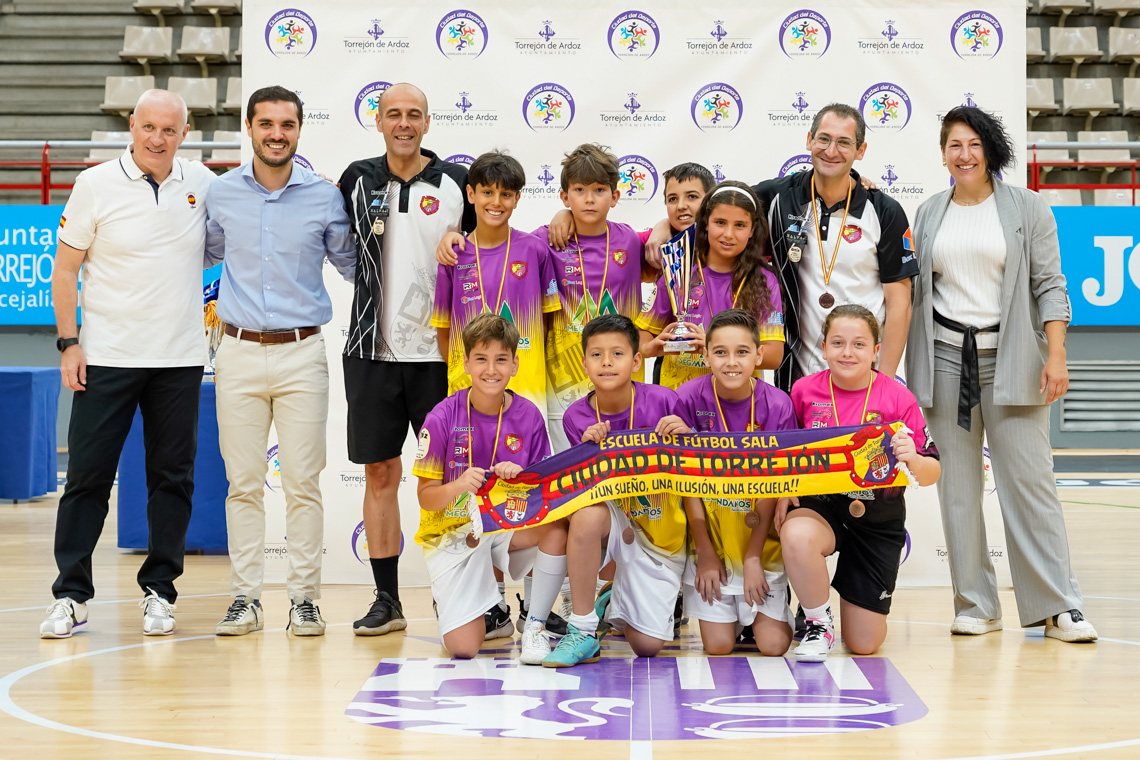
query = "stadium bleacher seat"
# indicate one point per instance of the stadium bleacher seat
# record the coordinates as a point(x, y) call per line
point(1073, 44)
point(1039, 98)
point(1034, 52)
point(233, 102)
point(216, 8)
point(227, 154)
point(121, 93)
point(205, 44)
point(200, 94)
point(1119, 155)
point(237, 53)
point(1088, 96)
point(1107, 196)
point(1057, 155)
point(1119, 8)
point(1131, 105)
point(143, 44)
point(191, 154)
point(1058, 197)
point(1064, 7)
point(1124, 45)
point(160, 8)
point(107, 154)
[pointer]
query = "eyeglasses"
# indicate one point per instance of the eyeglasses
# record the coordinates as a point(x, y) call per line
point(823, 142)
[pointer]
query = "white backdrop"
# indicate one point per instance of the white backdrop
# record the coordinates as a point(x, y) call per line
point(732, 87)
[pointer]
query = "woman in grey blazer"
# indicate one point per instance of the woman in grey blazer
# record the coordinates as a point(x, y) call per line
point(986, 355)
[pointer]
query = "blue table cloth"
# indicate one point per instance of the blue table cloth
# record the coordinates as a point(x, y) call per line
point(29, 405)
point(207, 529)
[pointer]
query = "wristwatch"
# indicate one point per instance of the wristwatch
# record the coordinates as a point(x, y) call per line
point(63, 343)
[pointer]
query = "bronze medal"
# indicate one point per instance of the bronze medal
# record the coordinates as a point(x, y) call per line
point(752, 520)
point(827, 300)
point(627, 536)
point(472, 541)
point(795, 253)
point(857, 508)
point(378, 227)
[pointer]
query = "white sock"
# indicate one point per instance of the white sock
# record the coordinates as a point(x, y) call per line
point(565, 590)
point(818, 613)
point(526, 591)
point(502, 590)
point(549, 572)
point(587, 624)
point(599, 586)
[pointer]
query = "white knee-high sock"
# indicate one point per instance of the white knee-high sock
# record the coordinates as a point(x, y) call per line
point(549, 572)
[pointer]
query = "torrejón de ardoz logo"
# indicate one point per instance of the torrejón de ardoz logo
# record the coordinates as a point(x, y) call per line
point(633, 35)
point(461, 34)
point(717, 107)
point(548, 107)
point(805, 34)
point(893, 39)
point(290, 33)
point(374, 35)
point(637, 179)
point(368, 103)
point(721, 38)
point(885, 107)
point(976, 35)
point(549, 39)
point(637, 699)
point(798, 163)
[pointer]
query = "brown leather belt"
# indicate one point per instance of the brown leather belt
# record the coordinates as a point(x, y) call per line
point(272, 336)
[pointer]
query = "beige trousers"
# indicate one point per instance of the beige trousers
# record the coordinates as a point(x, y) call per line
point(286, 385)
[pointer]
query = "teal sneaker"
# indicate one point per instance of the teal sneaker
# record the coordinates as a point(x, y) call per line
point(600, 606)
point(574, 648)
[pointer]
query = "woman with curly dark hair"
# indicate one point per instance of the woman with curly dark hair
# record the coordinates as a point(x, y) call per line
point(986, 356)
point(731, 271)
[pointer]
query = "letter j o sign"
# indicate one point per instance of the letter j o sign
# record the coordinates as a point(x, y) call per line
point(1101, 263)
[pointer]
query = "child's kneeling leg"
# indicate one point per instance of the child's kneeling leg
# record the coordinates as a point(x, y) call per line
point(643, 645)
point(718, 638)
point(863, 630)
point(463, 642)
point(773, 637)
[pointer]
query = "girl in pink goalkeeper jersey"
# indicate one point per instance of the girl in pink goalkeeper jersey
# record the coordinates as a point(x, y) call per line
point(865, 527)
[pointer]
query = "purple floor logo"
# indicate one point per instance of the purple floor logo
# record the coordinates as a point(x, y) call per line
point(368, 104)
point(976, 34)
point(637, 178)
point(644, 699)
point(885, 107)
point(634, 34)
point(461, 34)
point(805, 34)
point(291, 32)
point(798, 163)
point(717, 106)
point(548, 107)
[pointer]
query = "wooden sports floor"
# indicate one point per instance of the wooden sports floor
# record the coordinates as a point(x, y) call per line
point(112, 693)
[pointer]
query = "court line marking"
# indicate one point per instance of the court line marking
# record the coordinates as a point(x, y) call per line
point(8, 705)
point(109, 601)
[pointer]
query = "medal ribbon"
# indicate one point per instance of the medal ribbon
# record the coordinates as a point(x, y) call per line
point(605, 274)
point(471, 439)
point(502, 278)
point(827, 268)
point(835, 409)
point(752, 409)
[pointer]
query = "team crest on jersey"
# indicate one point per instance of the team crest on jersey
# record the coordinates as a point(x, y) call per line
point(620, 256)
point(514, 443)
point(192, 200)
point(429, 205)
point(873, 415)
point(852, 233)
point(518, 269)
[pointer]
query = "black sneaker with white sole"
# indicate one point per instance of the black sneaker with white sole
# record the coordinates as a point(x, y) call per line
point(384, 616)
point(555, 624)
point(801, 624)
point(498, 622)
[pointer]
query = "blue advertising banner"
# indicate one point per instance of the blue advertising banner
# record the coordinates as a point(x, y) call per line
point(1100, 262)
point(27, 258)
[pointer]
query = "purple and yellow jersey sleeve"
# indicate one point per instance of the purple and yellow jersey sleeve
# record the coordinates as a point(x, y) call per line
point(550, 299)
point(433, 455)
point(441, 307)
point(772, 323)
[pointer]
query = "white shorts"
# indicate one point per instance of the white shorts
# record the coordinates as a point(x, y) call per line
point(645, 586)
point(467, 589)
point(732, 608)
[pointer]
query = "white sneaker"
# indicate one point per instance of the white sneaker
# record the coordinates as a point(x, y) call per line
point(63, 616)
point(244, 616)
point(535, 644)
point(566, 609)
point(1070, 626)
point(158, 615)
point(305, 619)
point(964, 625)
point(818, 641)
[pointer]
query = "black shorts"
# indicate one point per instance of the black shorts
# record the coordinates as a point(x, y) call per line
point(869, 551)
point(384, 398)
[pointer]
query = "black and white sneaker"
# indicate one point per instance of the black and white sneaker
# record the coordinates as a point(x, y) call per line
point(801, 624)
point(555, 624)
point(679, 618)
point(384, 616)
point(244, 616)
point(305, 619)
point(498, 622)
point(1070, 626)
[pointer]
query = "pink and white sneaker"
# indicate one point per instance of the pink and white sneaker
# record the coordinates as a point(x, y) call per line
point(818, 641)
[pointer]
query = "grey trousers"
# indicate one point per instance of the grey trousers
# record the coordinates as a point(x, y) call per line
point(1022, 459)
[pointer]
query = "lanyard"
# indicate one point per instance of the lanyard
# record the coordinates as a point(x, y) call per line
point(632, 399)
point(835, 409)
point(752, 408)
point(827, 268)
point(471, 439)
point(708, 291)
point(502, 279)
point(605, 275)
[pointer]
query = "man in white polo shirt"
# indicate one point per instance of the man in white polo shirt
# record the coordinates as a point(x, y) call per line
point(137, 227)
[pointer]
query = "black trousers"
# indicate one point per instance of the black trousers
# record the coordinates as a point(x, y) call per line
point(100, 421)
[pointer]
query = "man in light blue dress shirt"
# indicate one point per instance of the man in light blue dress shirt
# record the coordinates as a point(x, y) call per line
point(274, 223)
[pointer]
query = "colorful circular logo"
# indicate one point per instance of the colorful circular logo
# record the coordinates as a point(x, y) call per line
point(302, 161)
point(976, 34)
point(637, 178)
point(548, 107)
point(799, 163)
point(368, 104)
point(360, 544)
point(291, 32)
point(717, 106)
point(273, 476)
point(885, 107)
point(460, 158)
point(805, 34)
point(461, 34)
point(634, 34)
